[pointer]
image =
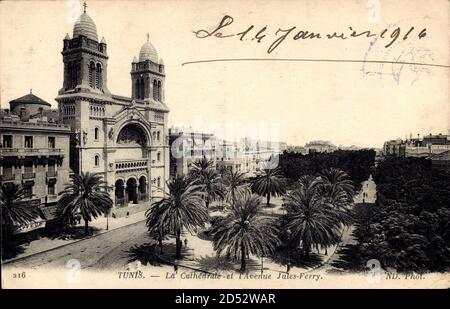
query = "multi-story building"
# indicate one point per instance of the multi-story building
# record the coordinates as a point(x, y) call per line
point(426, 147)
point(439, 139)
point(123, 138)
point(297, 149)
point(252, 160)
point(395, 148)
point(246, 156)
point(34, 153)
point(441, 160)
point(320, 146)
point(187, 147)
point(226, 156)
point(418, 147)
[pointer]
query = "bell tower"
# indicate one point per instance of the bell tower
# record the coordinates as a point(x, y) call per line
point(85, 59)
point(147, 74)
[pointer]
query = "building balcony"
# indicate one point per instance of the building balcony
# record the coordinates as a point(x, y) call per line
point(34, 125)
point(10, 177)
point(28, 176)
point(14, 152)
point(128, 165)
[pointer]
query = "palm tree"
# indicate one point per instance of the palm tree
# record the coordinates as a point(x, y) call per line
point(244, 231)
point(308, 181)
point(182, 208)
point(202, 173)
point(199, 168)
point(236, 185)
point(85, 195)
point(337, 187)
point(269, 182)
point(311, 219)
point(14, 210)
point(334, 180)
point(212, 187)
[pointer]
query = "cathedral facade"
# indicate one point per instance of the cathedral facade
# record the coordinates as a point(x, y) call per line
point(123, 138)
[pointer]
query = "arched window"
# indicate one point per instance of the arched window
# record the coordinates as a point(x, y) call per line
point(159, 91)
point(76, 68)
point(159, 182)
point(158, 156)
point(96, 134)
point(98, 76)
point(137, 89)
point(69, 76)
point(74, 77)
point(155, 89)
point(157, 136)
point(97, 160)
point(92, 75)
point(142, 96)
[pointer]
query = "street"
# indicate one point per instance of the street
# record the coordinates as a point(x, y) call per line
point(99, 252)
point(368, 194)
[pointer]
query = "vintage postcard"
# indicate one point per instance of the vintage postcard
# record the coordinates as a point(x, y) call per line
point(225, 144)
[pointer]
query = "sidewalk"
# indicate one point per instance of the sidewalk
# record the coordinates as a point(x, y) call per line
point(199, 255)
point(370, 189)
point(45, 243)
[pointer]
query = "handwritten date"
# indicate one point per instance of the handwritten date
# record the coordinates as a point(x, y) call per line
point(222, 30)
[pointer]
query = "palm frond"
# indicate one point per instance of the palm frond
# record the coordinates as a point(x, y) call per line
point(14, 210)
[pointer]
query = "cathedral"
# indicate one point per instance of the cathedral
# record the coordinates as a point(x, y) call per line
point(123, 138)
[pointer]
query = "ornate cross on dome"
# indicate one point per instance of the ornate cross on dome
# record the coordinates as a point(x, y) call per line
point(85, 6)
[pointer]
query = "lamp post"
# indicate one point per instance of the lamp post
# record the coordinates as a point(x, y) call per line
point(288, 265)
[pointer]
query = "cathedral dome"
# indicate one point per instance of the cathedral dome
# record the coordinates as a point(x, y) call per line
point(148, 52)
point(85, 26)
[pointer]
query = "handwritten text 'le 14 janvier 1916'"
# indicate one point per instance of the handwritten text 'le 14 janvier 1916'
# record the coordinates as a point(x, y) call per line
point(260, 34)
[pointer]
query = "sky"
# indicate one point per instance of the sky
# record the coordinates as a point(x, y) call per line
point(361, 104)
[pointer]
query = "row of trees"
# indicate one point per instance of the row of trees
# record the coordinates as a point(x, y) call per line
point(409, 228)
point(316, 210)
point(356, 163)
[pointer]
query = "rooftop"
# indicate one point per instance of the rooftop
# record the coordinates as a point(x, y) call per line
point(29, 99)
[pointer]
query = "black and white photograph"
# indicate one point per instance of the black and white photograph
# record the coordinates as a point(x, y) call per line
point(225, 144)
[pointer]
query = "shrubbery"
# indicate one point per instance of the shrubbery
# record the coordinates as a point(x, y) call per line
point(356, 163)
point(409, 227)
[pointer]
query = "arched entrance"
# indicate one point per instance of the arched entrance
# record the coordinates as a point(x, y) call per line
point(132, 191)
point(143, 190)
point(119, 193)
point(132, 142)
